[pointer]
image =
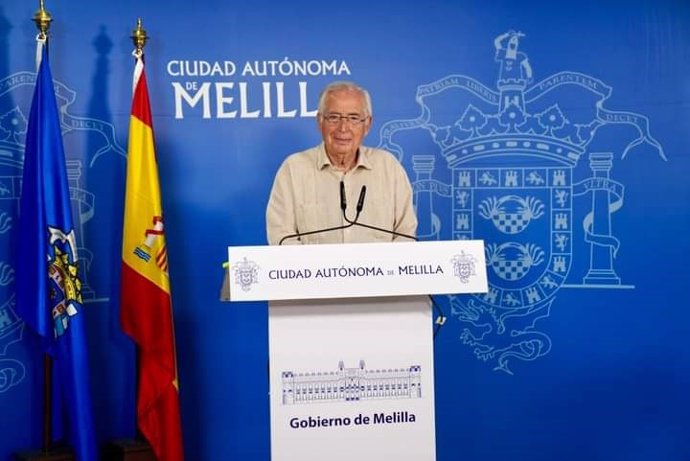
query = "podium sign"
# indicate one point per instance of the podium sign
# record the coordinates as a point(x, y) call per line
point(352, 379)
point(356, 270)
point(350, 342)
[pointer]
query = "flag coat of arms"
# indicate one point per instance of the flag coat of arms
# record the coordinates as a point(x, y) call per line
point(146, 310)
point(48, 286)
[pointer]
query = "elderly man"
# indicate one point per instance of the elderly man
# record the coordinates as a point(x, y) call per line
point(306, 194)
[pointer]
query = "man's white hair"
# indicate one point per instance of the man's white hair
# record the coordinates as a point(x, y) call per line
point(345, 86)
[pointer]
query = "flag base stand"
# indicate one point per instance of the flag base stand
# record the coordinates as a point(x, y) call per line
point(56, 454)
point(127, 450)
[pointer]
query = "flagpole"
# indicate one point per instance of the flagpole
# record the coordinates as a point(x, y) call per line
point(47, 403)
point(47, 453)
point(43, 19)
point(139, 38)
point(138, 449)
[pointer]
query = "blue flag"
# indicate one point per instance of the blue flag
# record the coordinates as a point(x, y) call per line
point(48, 286)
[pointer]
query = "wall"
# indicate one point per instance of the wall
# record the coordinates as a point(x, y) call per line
point(581, 353)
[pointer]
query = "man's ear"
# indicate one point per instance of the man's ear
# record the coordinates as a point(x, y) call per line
point(367, 125)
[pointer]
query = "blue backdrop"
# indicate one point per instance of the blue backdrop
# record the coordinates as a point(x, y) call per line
point(557, 132)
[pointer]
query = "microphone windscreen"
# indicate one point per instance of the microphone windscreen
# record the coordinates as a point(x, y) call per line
point(343, 200)
point(360, 202)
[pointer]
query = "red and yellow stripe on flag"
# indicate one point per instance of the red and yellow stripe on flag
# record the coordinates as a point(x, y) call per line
point(146, 310)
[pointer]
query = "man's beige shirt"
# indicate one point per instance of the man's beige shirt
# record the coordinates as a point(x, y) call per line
point(306, 197)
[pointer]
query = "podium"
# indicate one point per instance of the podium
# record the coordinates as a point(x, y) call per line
point(350, 342)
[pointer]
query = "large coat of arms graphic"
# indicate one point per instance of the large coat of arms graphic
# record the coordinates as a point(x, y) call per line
point(512, 155)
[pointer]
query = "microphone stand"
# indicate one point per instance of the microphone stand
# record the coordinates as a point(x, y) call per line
point(440, 316)
point(360, 205)
point(318, 231)
point(380, 229)
point(343, 207)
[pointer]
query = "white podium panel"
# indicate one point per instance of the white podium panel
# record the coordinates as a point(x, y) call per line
point(260, 273)
point(350, 342)
point(352, 379)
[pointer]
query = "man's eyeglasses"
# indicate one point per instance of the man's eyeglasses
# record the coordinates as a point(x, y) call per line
point(352, 119)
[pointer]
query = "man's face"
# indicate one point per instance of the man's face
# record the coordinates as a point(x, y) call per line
point(343, 137)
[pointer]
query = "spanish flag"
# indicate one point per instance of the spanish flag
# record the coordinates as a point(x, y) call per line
point(146, 310)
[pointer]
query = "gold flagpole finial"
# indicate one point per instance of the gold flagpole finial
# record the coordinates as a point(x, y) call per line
point(139, 37)
point(42, 19)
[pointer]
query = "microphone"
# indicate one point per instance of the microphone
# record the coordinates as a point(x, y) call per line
point(343, 206)
point(360, 201)
point(360, 206)
point(343, 200)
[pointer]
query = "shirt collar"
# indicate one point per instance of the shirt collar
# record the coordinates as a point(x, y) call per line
point(362, 159)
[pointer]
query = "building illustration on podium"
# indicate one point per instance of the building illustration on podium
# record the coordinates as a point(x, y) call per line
point(351, 385)
point(522, 176)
